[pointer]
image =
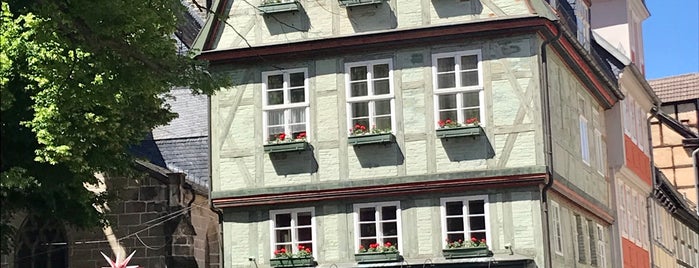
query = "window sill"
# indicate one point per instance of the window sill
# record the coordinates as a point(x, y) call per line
point(371, 139)
point(292, 262)
point(279, 7)
point(469, 131)
point(458, 253)
point(286, 147)
point(351, 3)
point(373, 257)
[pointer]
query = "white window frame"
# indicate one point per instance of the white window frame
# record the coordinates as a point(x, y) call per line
point(464, 200)
point(377, 216)
point(458, 89)
point(601, 167)
point(370, 97)
point(294, 216)
point(557, 228)
point(636, 222)
point(584, 140)
point(621, 205)
point(630, 209)
point(582, 14)
point(287, 105)
point(601, 247)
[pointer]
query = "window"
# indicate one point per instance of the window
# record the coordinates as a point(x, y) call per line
point(580, 238)
point(285, 103)
point(621, 205)
point(582, 15)
point(458, 86)
point(557, 232)
point(601, 247)
point(377, 223)
point(591, 230)
point(370, 100)
point(584, 145)
point(599, 150)
point(465, 218)
point(630, 211)
point(292, 228)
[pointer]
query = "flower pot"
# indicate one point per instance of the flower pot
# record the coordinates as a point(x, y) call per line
point(371, 257)
point(286, 147)
point(351, 3)
point(467, 131)
point(370, 138)
point(292, 262)
point(456, 253)
point(279, 7)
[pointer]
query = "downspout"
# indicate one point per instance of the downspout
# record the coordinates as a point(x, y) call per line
point(650, 198)
point(695, 158)
point(548, 145)
point(218, 211)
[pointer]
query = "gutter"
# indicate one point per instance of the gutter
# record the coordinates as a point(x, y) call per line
point(218, 211)
point(548, 146)
point(653, 175)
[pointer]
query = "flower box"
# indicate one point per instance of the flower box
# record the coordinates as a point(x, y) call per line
point(371, 138)
point(467, 131)
point(351, 3)
point(292, 262)
point(286, 147)
point(277, 7)
point(457, 253)
point(371, 257)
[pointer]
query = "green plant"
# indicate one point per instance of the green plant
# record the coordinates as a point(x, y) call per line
point(282, 138)
point(452, 124)
point(473, 243)
point(303, 252)
point(360, 129)
point(378, 248)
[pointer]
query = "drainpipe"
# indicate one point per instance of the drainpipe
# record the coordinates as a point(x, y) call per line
point(650, 198)
point(695, 158)
point(218, 211)
point(548, 145)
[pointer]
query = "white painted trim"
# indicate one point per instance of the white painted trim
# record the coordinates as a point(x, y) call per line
point(458, 89)
point(377, 207)
point(558, 227)
point(294, 240)
point(584, 140)
point(371, 98)
point(286, 106)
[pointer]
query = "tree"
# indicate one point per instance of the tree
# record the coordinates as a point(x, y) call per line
point(80, 82)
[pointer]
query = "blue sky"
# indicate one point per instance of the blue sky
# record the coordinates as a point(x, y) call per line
point(671, 38)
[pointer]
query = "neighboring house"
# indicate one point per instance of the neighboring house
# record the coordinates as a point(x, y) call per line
point(530, 179)
point(163, 215)
point(617, 27)
point(672, 148)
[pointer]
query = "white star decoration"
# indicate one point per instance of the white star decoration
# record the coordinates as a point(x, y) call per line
point(120, 264)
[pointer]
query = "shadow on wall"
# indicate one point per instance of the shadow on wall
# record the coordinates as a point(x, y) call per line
point(372, 17)
point(289, 163)
point(379, 155)
point(454, 8)
point(468, 148)
point(287, 22)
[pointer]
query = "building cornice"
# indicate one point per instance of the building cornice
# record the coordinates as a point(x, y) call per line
point(575, 198)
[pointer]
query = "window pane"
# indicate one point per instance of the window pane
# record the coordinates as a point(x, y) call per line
point(283, 236)
point(477, 223)
point(367, 229)
point(367, 242)
point(469, 78)
point(296, 79)
point(446, 80)
point(275, 117)
point(469, 62)
point(360, 109)
point(297, 95)
point(455, 224)
point(362, 121)
point(393, 241)
point(445, 64)
point(470, 99)
point(447, 101)
point(298, 129)
point(358, 89)
point(275, 97)
point(476, 207)
point(455, 208)
point(367, 214)
point(358, 73)
point(478, 235)
point(307, 245)
point(304, 234)
point(380, 70)
point(455, 237)
point(390, 228)
point(451, 115)
point(298, 115)
point(275, 81)
point(472, 113)
point(273, 132)
point(383, 122)
point(303, 219)
point(282, 220)
point(381, 87)
point(382, 107)
point(388, 213)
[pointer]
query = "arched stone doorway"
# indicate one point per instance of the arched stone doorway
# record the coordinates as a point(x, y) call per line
point(41, 244)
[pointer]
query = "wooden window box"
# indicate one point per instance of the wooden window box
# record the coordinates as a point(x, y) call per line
point(371, 139)
point(469, 131)
point(372, 257)
point(292, 262)
point(458, 253)
point(286, 147)
point(278, 7)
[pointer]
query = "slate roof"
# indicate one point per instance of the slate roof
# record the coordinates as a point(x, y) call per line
point(677, 88)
